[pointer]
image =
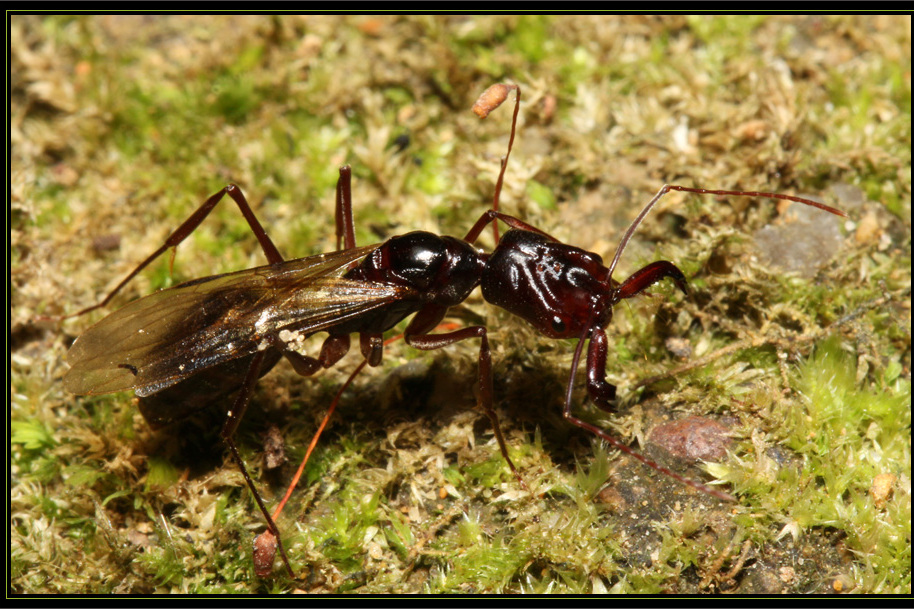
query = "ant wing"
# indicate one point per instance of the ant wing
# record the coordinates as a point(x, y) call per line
point(166, 337)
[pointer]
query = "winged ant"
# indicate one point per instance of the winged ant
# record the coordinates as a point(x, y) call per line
point(193, 345)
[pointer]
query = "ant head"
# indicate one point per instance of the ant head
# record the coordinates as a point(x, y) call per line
point(561, 289)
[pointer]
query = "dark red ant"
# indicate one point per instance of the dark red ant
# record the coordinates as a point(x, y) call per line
point(191, 346)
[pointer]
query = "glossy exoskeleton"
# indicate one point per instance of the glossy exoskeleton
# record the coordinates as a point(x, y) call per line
point(193, 345)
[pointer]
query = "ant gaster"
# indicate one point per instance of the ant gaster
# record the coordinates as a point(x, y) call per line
point(192, 345)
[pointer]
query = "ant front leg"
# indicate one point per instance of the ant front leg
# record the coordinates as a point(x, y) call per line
point(600, 391)
point(603, 394)
point(188, 227)
point(416, 336)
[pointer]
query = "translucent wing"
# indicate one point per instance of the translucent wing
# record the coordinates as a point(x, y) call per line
point(157, 341)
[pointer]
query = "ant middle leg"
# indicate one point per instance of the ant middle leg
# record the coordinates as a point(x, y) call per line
point(430, 342)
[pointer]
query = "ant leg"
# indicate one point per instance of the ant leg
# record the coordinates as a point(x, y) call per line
point(233, 418)
point(484, 220)
point(345, 226)
point(372, 347)
point(265, 543)
point(332, 350)
point(597, 355)
point(600, 391)
point(188, 227)
point(429, 342)
point(644, 278)
point(304, 365)
point(317, 435)
point(264, 540)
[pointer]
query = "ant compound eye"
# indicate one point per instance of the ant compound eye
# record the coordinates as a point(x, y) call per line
point(558, 325)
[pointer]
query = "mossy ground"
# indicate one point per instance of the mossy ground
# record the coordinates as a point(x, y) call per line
point(122, 125)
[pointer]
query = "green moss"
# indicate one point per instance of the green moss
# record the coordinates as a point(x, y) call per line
point(162, 474)
point(531, 38)
point(32, 435)
point(845, 435)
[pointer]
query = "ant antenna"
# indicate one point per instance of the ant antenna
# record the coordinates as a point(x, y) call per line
point(490, 99)
point(738, 193)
